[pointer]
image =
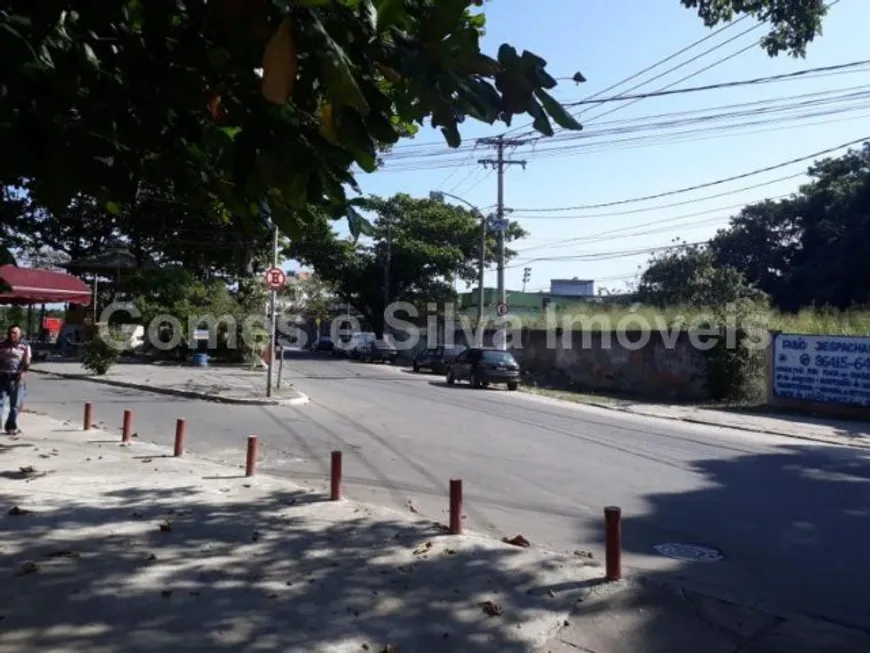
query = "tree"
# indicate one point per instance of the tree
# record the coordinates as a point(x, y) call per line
point(426, 246)
point(806, 249)
point(687, 275)
point(794, 23)
point(309, 296)
point(243, 102)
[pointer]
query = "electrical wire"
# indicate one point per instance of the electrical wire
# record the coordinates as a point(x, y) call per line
point(709, 184)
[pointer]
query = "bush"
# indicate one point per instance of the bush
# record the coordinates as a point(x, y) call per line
point(98, 356)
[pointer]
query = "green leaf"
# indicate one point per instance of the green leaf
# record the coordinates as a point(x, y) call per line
point(355, 138)
point(578, 77)
point(339, 71)
point(541, 122)
point(557, 112)
point(358, 224)
point(113, 208)
point(369, 14)
point(390, 12)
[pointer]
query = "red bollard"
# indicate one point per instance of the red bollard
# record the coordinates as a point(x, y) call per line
point(335, 477)
point(251, 461)
point(89, 416)
point(127, 429)
point(613, 542)
point(455, 507)
point(180, 431)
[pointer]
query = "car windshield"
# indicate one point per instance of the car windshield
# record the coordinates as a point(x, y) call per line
point(498, 357)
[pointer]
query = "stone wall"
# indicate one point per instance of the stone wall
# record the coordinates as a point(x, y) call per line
point(599, 361)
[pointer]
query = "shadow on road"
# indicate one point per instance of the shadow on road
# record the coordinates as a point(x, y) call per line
point(792, 526)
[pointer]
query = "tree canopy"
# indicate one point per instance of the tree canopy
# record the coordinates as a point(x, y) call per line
point(793, 23)
point(243, 102)
point(806, 249)
point(429, 245)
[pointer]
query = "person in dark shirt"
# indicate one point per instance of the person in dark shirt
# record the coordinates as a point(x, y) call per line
point(15, 358)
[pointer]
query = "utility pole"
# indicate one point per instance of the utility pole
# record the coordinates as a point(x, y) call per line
point(273, 341)
point(499, 164)
point(388, 259)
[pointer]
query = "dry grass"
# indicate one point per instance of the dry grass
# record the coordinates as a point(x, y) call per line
point(620, 318)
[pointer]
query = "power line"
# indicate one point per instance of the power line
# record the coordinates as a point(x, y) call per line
point(700, 186)
point(720, 85)
point(604, 256)
point(655, 65)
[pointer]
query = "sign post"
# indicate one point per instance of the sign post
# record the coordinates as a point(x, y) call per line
point(275, 278)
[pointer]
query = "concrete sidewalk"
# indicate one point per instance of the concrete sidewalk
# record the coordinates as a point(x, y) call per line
point(114, 548)
point(804, 427)
point(231, 385)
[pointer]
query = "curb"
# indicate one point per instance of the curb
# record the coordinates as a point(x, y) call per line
point(299, 400)
point(712, 422)
point(751, 429)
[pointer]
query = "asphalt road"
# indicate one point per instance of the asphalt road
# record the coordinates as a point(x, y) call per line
point(791, 517)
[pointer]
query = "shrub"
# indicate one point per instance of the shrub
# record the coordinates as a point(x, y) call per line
point(98, 356)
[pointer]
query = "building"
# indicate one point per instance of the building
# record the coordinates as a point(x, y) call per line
point(572, 287)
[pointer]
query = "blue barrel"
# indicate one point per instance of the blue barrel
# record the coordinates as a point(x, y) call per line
point(199, 360)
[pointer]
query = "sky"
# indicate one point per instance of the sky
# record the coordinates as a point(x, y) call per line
point(652, 146)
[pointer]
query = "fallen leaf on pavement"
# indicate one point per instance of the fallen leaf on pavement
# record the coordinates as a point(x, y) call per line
point(151, 557)
point(15, 511)
point(423, 548)
point(28, 568)
point(166, 526)
point(411, 507)
point(27, 470)
point(583, 554)
point(63, 553)
point(147, 460)
point(517, 540)
point(492, 609)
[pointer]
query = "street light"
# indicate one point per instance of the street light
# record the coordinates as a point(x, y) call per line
point(438, 196)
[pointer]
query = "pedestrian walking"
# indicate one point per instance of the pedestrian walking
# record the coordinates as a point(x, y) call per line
point(14, 364)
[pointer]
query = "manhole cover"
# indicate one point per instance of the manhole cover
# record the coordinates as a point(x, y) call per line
point(690, 552)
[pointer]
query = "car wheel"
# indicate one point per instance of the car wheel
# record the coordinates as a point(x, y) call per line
point(450, 378)
point(513, 385)
point(416, 367)
point(475, 382)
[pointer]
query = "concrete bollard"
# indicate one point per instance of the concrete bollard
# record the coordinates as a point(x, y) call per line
point(613, 542)
point(335, 477)
point(89, 416)
point(127, 428)
point(455, 507)
point(180, 432)
point(251, 460)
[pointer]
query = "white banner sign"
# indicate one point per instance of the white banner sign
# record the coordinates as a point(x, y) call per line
point(824, 369)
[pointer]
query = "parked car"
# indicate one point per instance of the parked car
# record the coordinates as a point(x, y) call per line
point(436, 359)
point(381, 351)
point(482, 367)
point(323, 345)
point(358, 342)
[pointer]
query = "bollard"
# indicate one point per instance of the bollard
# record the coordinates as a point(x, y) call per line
point(613, 542)
point(455, 507)
point(335, 477)
point(127, 429)
point(89, 414)
point(251, 461)
point(180, 429)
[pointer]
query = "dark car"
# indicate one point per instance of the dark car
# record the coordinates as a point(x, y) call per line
point(436, 359)
point(324, 345)
point(380, 351)
point(483, 367)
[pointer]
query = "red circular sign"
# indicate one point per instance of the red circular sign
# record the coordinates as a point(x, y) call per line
point(276, 278)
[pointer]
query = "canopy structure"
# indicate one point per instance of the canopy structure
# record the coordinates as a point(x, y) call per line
point(33, 286)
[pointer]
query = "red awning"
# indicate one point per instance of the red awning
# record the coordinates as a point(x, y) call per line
point(32, 286)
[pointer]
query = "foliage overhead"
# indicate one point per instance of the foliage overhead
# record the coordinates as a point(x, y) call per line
point(793, 23)
point(234, 101)
point(430, 245)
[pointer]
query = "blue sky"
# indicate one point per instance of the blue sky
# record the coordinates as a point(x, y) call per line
point(607, 42)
